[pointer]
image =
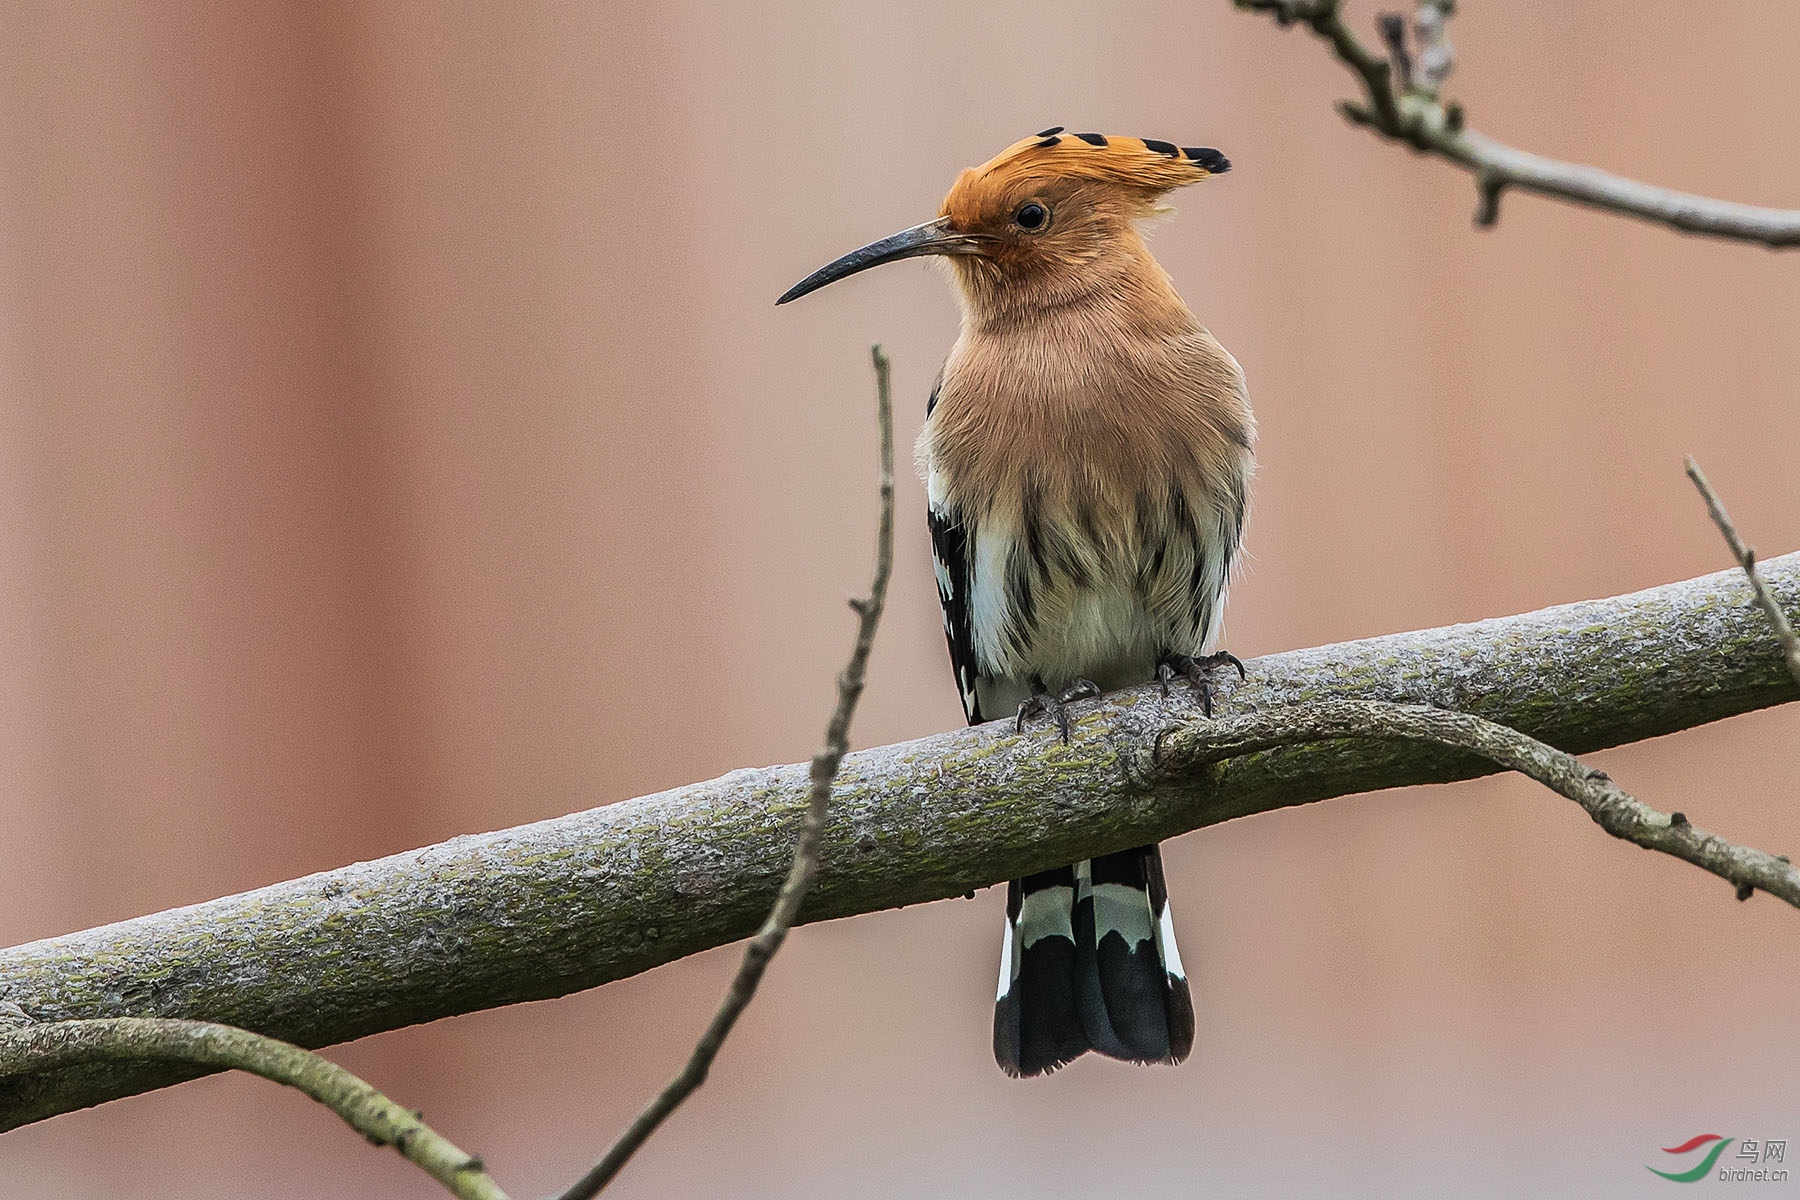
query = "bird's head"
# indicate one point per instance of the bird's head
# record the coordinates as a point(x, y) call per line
point(1043, 219)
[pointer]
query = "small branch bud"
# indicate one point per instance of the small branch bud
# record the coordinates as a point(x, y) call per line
point(1490, 184)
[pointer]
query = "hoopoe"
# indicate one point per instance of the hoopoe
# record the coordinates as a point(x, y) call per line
point(1086, 453)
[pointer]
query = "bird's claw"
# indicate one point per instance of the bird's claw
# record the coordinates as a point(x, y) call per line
point(1045, 703)
point(1194, 670)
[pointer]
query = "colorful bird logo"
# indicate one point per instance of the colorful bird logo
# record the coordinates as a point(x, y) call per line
point(1706, 1164)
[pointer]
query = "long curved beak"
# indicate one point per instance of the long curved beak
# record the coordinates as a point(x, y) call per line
point(933, 237)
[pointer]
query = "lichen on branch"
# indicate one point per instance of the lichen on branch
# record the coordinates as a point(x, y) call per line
point(561, 905)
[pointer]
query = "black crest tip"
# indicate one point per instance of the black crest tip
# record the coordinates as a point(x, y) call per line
point(1050, 132)
point(1092, 139)
point(1156, 147)
point(1049, 141)
point(1211, 160)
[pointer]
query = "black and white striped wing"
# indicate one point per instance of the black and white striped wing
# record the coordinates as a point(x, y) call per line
point(952, 549)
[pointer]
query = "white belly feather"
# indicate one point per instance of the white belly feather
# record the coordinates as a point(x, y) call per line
point(1111, 622)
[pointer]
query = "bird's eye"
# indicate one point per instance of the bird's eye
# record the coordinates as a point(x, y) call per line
point(1031, 217)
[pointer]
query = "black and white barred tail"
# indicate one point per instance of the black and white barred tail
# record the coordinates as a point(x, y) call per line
point(1089, 963)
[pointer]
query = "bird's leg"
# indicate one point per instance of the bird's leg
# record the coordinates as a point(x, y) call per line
point(1043, 702)
point(1195, 670)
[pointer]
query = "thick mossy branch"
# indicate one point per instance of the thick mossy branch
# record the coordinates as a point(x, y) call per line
point(561, 905)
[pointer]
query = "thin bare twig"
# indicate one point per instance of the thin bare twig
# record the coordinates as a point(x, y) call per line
point(1612, 808)
point(48, 1046)
point(1746, 557)
point(825, 764)
point(1414, 115)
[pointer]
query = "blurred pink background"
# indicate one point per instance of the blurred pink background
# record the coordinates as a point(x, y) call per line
point(398, 439)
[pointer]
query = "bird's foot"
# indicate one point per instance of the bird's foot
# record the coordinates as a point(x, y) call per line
point(1044, 703)
point(1195, 669)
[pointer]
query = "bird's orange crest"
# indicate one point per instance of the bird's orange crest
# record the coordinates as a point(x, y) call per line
point(1138, 169)
point(1046, 219)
